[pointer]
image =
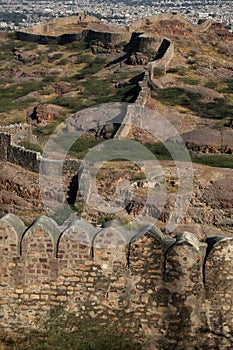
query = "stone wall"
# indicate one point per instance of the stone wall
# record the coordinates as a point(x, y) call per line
point(78, 28)
point(142, 42)
point(87, 35)
point(46, 39)
point(31, 160)
point(49, 27)
point(164, 56)
point(5, 140)
point(153, 285)
point(19, 132)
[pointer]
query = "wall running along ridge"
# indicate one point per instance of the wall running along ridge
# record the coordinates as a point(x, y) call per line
point(133, 115)
point(154, 286)
point(45, 33)
point(30, 160)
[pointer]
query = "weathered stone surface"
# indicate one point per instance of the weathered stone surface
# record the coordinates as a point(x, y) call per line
point(208, 140)
point(153, 285)
point(44, 114)
point(26, 56)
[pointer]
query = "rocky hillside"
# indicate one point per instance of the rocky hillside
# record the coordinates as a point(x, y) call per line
point(209, 213)
point(44, 84)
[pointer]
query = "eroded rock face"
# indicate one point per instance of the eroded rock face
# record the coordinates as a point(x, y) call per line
point(20, 192)
point(26, 56)
point(44, 114)
point(138, 58)
point(210, 211)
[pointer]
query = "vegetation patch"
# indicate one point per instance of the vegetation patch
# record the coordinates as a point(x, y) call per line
point(31, 146)
point(214, 160)
point(219, 108)
point(66, 331)
point(10, 93)
point(159, 72)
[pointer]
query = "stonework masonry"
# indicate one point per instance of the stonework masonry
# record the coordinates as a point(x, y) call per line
point(81, 31)
point(19, 132)
point(30, 160)
point(164, 56)
point(170, 293)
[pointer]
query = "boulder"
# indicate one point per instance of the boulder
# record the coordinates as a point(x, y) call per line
point(44, 114)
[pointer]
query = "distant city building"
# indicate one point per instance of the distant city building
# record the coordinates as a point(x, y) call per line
point(18, 13)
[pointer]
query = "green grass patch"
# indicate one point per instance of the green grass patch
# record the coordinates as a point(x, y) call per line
point(229, 86)
point(219, 108)
point(61, 330)
point(159, 72)
point(97, 91)
point(77, 46)
point(31, 146)
point(105, 218)
point(10, 93)
point(214, 160)
point(81, 147)
point(94, 66)
point(189, 81)
point(212, 84)
point(46, 130)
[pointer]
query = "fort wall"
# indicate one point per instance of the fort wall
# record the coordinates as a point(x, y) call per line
point(87, 35)
point(153, 285)
point(163, 57)
point(19, 132)
point(78, 28)
point(142, 42)
point(27, 159)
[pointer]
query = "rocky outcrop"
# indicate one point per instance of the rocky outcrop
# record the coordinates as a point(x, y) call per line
point(138, 58)
point(209, 140)
point(26, 56)
point(210, 208)
point(44, 114)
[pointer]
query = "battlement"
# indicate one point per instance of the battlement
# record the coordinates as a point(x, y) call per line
point(174, 292)
point(74, 28)
point(27, 159)
point(19, 132)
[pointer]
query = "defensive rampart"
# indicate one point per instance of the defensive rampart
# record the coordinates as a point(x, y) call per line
point(74, 28)
point(142, 42)
point(31, 160)
point(133, 116)
point(163, 57)
point(154, 286)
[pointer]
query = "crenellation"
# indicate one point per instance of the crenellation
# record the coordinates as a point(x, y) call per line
point(152, 284)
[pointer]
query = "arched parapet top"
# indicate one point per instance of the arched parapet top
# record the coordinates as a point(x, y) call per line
point(185, 239)
point(49, 225)
point(152, 231)
point(109, 247)
point(46, 225)
point(146, 253)
point(218, 275)
point(188, 238)
point(219, 252)
point(184, 261)
point(80, 231)
point(213, 241)
point(112, 235)
point(16, 223)
point(75, 242)
point(16, 226)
